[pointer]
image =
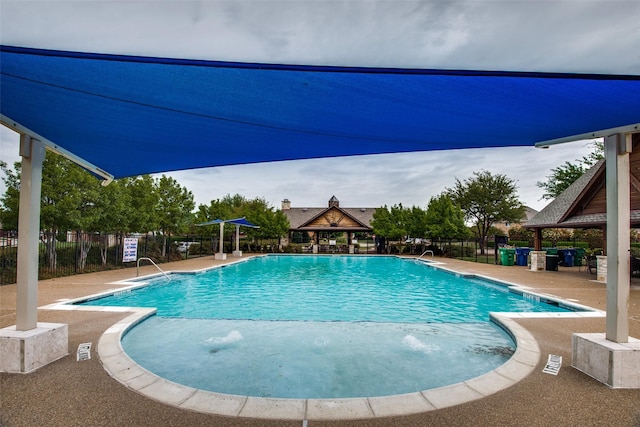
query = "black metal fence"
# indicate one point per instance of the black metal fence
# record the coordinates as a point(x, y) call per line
point(74, 253)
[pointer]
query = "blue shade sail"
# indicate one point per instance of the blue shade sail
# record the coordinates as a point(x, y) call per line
point(136, 115)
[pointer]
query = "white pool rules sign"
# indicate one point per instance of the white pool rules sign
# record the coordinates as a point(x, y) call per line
point(130, 249)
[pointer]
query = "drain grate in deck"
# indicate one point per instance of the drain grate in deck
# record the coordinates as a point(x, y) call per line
point(84, 351)
point(553, 365)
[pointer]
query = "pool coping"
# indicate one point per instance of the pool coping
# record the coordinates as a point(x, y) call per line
point(122, 368)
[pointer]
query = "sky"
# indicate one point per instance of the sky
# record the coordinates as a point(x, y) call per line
point(585, 36)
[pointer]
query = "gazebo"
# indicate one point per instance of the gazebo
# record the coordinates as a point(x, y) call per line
point(237, 222)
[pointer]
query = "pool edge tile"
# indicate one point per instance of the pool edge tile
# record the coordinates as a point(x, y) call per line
point(399, 405)
point(268, 408)
point(451, 395)
point(338, 409)
point(167, 392)
point(490, 383)
point(215, 403)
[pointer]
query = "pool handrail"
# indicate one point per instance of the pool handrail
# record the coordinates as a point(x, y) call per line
point(151, 261)
point(425, 252)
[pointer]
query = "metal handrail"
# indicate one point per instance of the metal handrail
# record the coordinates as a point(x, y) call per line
point(151, 261)
point(423, 254)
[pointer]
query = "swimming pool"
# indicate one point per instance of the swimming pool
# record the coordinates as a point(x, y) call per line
point(267, 328)
point(327, 288)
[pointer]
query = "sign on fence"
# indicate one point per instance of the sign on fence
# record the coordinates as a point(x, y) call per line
point(130, 249)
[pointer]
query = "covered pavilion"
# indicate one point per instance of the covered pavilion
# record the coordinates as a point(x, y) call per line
point(584, 204)
point(329, 221)
point(237, 222)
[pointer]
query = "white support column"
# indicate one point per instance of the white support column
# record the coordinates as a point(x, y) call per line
point(617, 149)
point(33, 153)
point(237, 252)
point(221, 254)
point(30, 345)
point(613, 357)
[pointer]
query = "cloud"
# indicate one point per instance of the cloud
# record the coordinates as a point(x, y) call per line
point(581, 36)
point(376, 180)
point(574, 36)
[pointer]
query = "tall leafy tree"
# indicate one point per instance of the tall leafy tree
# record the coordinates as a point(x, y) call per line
point(69, 195)
point(486, 199)
point(273, 224)
point(444, 219)
point(10, 199)
point(416, 222)
point(115, 209)
point(143, 199)
point(390, 222)
point(174, 208)
point(566, 174)
point(228, 207)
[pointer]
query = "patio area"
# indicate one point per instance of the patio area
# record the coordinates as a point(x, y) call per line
point(69, 392)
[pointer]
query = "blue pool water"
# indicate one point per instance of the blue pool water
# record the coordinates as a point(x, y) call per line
point(337, 288)
point(321, 327)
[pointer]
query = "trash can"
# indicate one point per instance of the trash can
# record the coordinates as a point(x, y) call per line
point(569, 257)
point(552, 262)
point(551, 251)
point(522, 256)
point(577, 261)
point(506, 256)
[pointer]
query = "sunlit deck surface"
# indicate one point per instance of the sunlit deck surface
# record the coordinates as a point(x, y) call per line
point(68, 392)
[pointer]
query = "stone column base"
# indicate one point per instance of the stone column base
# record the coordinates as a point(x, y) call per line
point(25, 351)
point(237, 253)
point(614, 364)
point(315, 249)
point(538, 260)
point(601, 275)
point(220, 255)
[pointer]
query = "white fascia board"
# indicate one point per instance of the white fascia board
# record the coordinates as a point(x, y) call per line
point(590, 135)
point(11, 124)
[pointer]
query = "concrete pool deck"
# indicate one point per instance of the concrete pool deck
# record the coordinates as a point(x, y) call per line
point(69, 392)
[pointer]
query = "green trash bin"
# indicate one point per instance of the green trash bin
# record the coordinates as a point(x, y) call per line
point(507, 256)
point(551, 251)
point(579, 257)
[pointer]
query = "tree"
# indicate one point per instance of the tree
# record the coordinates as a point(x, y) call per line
point(486, 199)
point(566, 174)
point(67, 201)
point(273, 224)
point(173, 211)
point(389, 223)
point(11, 198)
point(444, 219)
point(116, 210)
point(143, 199)
point(416, 222)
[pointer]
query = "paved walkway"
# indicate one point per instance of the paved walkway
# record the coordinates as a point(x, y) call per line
point(67, 393)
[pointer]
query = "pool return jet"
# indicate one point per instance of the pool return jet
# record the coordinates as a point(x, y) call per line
point(238, 222)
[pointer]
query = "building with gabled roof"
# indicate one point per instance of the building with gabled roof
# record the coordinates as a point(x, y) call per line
point(327, 221)
point(584, 203)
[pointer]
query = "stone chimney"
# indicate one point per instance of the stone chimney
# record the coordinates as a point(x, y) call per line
point(333, 201)
point(286, 204)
